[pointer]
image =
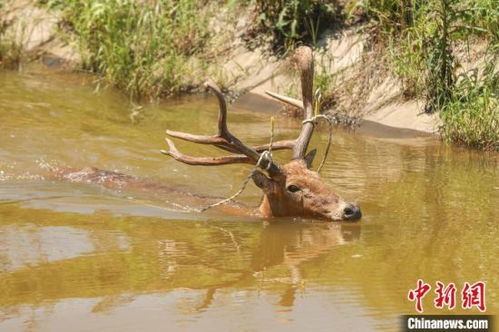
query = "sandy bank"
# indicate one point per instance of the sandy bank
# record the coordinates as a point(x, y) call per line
point(250, 73)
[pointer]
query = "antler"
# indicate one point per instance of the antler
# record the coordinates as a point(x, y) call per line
point(226, 141)
point(285, 99)
point(304, 60)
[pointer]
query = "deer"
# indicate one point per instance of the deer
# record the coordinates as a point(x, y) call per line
point(290, 190)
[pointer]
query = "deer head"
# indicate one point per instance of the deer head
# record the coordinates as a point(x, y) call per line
point(289, 190)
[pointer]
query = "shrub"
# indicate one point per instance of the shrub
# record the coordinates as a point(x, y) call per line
point(142, 47)
point(473, 122)
point(422, 37)
point(289, 23)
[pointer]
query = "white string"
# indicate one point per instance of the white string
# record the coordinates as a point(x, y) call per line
point(265, 155)
point(314, 121)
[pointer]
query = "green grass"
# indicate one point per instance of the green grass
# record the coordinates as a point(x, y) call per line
point(11, 51)
point(421, 38)
point(472, 117)
point(290, 23)
point(147, 48)
point(474, 123)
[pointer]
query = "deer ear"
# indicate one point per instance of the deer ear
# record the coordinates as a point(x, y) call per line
point(261, 181)
point(309, 158)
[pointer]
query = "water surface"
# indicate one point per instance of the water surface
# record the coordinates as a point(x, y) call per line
point(79, 256)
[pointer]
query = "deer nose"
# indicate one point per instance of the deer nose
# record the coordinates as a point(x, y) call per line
point(351, 212)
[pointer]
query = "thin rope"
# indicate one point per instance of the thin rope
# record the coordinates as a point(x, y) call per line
point(223, 201)
point(314, 121)
point(265, 155)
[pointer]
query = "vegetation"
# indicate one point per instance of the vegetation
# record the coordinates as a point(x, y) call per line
point(428, 37)
point(290, 23)
point(11, 51)
point(146, 48)
point(473, 118)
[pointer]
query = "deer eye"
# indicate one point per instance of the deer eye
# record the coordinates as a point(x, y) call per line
point(292, 188)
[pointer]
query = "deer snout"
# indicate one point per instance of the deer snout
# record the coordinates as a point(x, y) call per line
point(351, 212)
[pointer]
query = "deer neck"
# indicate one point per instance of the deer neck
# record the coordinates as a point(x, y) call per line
point(272, 208)
point(265, 208)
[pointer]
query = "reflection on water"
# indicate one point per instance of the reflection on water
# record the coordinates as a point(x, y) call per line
point(22, 246)
point(137, 258)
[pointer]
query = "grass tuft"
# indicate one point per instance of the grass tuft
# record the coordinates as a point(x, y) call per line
point(290, 23)
point(143, 47)
point(472, 117)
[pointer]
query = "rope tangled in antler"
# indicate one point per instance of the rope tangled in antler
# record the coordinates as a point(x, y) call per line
point(314, 121)
point(265, 155)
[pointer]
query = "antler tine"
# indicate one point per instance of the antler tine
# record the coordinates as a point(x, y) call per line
point(204, 161)
point(222, 115)
point(234, 142)
point(304, 60)
point(201, 139)
point(285, 99)
point(279, 145)
point(221, 142)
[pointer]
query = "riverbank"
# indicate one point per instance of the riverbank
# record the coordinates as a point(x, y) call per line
point(352, 71)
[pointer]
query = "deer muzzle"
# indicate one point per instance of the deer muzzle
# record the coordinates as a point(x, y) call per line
point(351, 212)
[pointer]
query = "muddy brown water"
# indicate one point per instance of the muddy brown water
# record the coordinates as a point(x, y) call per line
point(84, 258)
